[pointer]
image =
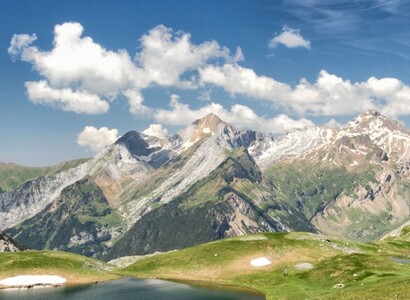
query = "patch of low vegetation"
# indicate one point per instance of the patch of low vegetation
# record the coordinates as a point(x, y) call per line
point(340, 269)
point(75, 268)
point(309, 187)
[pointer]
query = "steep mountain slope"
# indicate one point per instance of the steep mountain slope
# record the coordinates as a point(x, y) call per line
point(213, 208)
point(34, 195)
point(144, 194)
point(197, 151)
point(79, 220)
point(13, 175)
point(354, 186)
point(382, 203)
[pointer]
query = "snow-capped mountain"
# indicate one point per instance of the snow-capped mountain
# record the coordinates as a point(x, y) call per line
point(144, 194)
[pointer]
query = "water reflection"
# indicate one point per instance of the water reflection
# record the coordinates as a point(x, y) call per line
point(126, 289)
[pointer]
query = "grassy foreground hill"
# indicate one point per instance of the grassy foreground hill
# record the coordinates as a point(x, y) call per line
point(318, 267)
point(75, 268)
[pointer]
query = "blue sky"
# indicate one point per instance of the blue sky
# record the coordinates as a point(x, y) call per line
point(75, 75)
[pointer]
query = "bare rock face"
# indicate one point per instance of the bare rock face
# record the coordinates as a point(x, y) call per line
point(34, 195)
point(6, 244)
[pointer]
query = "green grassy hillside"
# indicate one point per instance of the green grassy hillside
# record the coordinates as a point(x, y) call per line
point(13, 175)
point(367, 271)
point(75, 268)
point(400, 234)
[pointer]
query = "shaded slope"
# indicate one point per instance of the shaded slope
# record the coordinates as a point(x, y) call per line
point(79, 221)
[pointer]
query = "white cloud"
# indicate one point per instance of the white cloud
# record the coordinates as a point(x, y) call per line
point(384, 87)
point(78, 64)
point(332, 123)
point(78, 73)
point(20, 41)
point(290, 38)
point(239, 80)
point(95, 139)
point(240, 116)
point(135, 100)
point(65, 98)
point(330, 95)
point(82, 76)
point(156, 130)
point(165, 56)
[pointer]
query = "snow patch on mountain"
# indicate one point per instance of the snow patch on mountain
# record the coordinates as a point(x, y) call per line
point(293, 144)
point(388, 134)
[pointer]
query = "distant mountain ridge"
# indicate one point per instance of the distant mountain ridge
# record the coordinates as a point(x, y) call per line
point(208, 181)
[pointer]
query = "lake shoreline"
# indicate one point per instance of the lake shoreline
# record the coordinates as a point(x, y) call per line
point(219, 286)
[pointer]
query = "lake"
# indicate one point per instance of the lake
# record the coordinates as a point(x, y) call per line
point(128, 288)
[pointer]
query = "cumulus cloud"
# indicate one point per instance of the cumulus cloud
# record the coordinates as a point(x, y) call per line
point(20, 41)
point(156, 130)
point(328, 95)
point(332, 123)
point(82, 76)
point(290, 38)
point(240, 116)
point(95, 139)
point(79, 66)
point(77, 73)
point(135, 100)
point(65, 98)
point(236, 79)
point(165, 56)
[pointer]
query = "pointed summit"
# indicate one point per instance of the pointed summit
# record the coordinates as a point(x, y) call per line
point(206, 126)
point(210, 121)
point(374, 121)
point(370, 113)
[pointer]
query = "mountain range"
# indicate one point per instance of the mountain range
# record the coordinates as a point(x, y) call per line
point(144, 194)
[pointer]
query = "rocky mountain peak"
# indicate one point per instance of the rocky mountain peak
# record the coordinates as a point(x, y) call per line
point(210, 119)
point(387, 134)
point(370, 113)
point(373, 120)
point(140, 144)
point(208, 124)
